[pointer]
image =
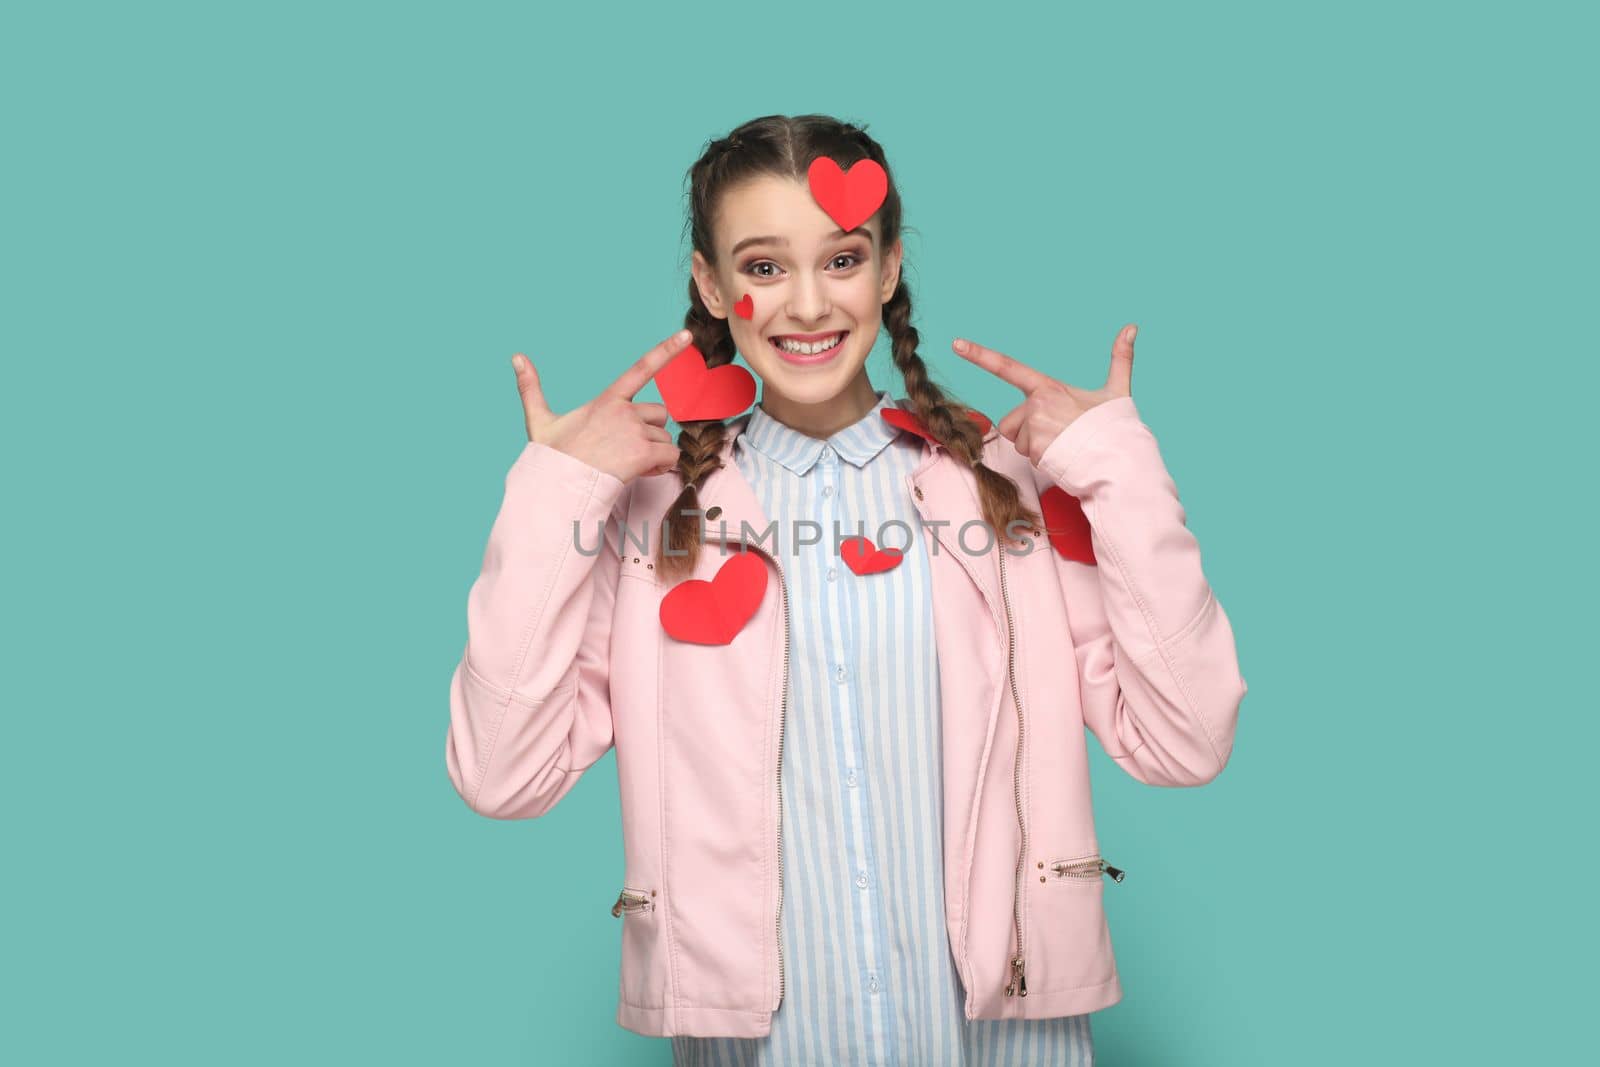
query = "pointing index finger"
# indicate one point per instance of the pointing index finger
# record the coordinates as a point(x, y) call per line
point(634, 378)
point(1002, 366)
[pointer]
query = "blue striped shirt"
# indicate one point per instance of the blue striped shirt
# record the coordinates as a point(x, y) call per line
point(869, 975)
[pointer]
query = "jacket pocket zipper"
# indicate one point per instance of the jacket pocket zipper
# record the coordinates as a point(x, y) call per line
point(633, 900)
point(1086, 867)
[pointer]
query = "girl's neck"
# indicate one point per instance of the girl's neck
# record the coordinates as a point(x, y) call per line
point(829, 417)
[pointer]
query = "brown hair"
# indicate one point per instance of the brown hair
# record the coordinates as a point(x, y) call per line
point(784, 147)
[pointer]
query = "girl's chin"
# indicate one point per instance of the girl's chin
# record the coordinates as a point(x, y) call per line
point(821, 381)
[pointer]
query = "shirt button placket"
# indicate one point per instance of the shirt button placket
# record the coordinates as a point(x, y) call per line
point(828, 469)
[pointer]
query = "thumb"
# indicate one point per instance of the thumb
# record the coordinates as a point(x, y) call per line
point(1119, 380)
point(533, 404)
point(533, 408)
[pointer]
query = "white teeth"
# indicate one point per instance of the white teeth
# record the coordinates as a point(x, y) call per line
point(808, 349)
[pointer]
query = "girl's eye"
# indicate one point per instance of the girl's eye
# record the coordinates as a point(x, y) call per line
point(755, 268)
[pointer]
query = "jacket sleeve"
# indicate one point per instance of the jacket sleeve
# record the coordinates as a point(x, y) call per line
point(1156, 658)
point(530, 706)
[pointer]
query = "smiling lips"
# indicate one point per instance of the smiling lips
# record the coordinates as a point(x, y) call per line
point(811, 346)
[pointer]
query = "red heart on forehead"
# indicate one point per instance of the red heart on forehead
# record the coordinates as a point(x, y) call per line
point(901, 419)
point(692, 391)
point(861, 556)
point(711, 613)
point(745, 308)
point(1066, 524)
point(850, 197)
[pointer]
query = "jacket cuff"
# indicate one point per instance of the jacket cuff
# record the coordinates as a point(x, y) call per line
point(1071, 442)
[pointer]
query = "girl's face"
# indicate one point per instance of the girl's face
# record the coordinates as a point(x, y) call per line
point(807, 282)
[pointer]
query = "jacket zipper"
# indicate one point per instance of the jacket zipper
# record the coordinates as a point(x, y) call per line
point(1019, 979)
point(783, 708)
point(632, 900)
point(1089, 867)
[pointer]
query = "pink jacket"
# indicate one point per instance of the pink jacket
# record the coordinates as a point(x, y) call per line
point(566, 656)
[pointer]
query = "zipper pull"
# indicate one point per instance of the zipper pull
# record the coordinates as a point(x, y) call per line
point(1019, 980)
point(1116, 875)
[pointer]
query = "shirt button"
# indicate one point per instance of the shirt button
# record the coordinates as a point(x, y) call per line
point(861, 879)
point(833, 574)
point(841, 672)
point(850, 779)
point(827, 490)
point(872, 983)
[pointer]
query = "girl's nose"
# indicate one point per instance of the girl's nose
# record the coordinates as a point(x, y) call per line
point(808, 300)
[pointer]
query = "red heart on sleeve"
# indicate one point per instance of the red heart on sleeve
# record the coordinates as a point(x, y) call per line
point(692, 391)
point(1066, 524)
point(712, 613)
point(861, 556)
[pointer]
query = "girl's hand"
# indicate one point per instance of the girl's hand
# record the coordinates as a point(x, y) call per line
point(610, 432)
point(1050, 405)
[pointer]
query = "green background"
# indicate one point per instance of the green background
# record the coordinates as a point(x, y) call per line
point(264, 268)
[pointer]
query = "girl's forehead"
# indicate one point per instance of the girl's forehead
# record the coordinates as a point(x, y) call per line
point(772, 207)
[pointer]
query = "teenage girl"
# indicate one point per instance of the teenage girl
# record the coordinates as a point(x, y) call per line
point(893, 937)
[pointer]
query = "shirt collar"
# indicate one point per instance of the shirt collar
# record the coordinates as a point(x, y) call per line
point(859, 442)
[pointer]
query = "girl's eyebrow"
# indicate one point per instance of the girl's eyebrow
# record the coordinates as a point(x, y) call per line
point(859, 231)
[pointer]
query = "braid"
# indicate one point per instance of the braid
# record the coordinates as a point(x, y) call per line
point(948, 421)
point(699, 444)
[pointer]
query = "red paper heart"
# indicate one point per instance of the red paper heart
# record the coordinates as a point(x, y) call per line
point(861, 556)
point(901, 419)
point(1066, 524)
point(691, 391)
point(745, 308)
point(851, 197)
point(711, 613)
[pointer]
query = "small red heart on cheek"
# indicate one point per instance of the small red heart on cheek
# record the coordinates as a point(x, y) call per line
point(745, 308)
point(1067, 525)
point(712, 613)
point(862, 557)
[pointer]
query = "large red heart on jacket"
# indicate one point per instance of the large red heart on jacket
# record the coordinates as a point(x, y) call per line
point(712, 613)
point(1066, 524)
point(849, 197)
point(692, 391)
point(901, 419)
point(863, 557)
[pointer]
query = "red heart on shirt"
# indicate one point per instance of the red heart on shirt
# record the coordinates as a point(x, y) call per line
point(901, 419)
point(745, 308)
point(712, 613)
point(692, 391)
point(849, 197)
point(861, 556)
point(1066, 524)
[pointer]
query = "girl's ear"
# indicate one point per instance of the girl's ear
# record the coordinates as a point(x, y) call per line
point(891, 270)
point(705, 280)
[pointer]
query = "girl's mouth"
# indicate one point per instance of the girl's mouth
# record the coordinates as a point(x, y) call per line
point(812, 353)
